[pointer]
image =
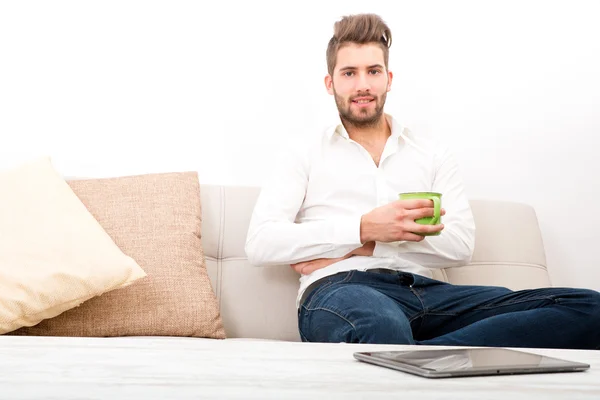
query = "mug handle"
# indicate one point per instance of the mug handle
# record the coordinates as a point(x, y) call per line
point(436, 210)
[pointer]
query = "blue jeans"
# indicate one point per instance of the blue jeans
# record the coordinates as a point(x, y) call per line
point(403, 308)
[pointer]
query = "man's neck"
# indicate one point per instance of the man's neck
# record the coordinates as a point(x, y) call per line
point(378, 132)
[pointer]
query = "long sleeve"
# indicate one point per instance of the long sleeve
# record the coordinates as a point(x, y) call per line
point(275, 238)
point(456, 243)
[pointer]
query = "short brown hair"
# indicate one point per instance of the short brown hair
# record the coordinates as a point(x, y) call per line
point(359, 29)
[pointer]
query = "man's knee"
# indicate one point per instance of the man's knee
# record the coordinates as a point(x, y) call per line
point(592, 296)
point(591, 300)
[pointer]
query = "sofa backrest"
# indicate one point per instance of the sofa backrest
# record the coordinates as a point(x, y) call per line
point(260, 302)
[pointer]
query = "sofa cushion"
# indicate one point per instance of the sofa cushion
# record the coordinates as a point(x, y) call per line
point(53, 254)
point(156, 219)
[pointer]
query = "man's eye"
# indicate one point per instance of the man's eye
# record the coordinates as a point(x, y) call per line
point(374, 71)
point(348, 73)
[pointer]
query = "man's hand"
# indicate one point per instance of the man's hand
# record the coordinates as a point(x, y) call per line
point(307, 267)
point(396, 221)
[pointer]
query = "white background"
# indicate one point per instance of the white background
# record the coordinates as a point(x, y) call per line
point(111, 88)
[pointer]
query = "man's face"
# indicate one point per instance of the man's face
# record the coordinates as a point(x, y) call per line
point(360, 84)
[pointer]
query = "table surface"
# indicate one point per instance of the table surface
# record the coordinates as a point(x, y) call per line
point(191, 368)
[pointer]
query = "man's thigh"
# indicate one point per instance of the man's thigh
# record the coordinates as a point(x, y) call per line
point(449, 307)
point(360, 307)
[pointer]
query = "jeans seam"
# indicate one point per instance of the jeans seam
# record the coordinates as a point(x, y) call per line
point(326, 285)
point(302, 335)
point(316, 292)
point(510, 303)
point(414, 291)
point(417, 315)
point(450, 314)
point(336, 314)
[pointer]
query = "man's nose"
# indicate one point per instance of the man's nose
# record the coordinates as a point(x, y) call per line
point(362, 84)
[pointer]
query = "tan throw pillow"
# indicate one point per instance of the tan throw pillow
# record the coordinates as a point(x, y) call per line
point(53, 254)
point(156, 219)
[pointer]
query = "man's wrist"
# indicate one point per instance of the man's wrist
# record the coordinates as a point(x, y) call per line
point(365, 235)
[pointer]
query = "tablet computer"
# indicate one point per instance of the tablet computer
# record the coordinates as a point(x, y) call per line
point(446, 363)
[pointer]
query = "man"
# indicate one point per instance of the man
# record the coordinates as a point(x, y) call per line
point(332, 212)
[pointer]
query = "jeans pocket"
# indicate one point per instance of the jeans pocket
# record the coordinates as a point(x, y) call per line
point(333, 280)
point(309, 300)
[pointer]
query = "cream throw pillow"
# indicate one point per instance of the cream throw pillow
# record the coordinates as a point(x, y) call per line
point(53, 254)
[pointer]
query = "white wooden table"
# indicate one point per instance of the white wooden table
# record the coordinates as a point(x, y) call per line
point(185, 368)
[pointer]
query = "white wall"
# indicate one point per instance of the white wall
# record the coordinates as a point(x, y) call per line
point(119, 87)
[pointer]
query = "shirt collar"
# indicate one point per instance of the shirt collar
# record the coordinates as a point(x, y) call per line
point(396, 127)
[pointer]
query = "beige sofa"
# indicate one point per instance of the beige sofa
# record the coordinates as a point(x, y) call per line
point(262, 357)
point(259, 302)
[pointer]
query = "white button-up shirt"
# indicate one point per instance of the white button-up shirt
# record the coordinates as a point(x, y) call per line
point(312, 204)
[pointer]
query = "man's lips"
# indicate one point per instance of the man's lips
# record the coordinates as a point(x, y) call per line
point(362, 101)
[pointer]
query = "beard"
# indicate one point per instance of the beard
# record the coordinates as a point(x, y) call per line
point(361, 118)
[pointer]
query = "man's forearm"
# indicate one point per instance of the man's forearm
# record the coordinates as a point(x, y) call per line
point(272, 243)
point(451, 248)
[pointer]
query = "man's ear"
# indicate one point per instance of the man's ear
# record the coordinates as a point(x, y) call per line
point(389, 85)
point(329, 84)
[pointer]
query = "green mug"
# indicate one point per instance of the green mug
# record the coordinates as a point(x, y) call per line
point(437, 206)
